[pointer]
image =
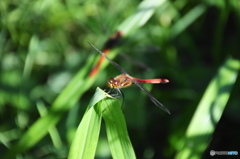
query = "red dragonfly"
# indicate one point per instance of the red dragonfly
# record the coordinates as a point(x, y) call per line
point(125, 80)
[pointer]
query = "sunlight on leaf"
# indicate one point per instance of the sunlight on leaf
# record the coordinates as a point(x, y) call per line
point(209, 110)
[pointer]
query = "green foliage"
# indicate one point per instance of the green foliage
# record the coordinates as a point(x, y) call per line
point(85, 141)
point(209, 110)
point(44, 84)
point(86, 138)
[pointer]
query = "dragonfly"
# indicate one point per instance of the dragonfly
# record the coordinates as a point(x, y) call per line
point(125, 80)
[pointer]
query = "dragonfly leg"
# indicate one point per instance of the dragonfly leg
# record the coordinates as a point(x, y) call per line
point(121, 95)
point(116, 94)
point(109, 91)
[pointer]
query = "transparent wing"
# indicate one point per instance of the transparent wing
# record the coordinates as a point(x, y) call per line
point(113, 63)
point(153, 99)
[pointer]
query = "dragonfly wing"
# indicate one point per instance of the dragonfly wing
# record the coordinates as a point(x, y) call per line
point(113, 63)
point(154, 100)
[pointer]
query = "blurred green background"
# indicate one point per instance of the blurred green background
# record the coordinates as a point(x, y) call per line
point(43, 48)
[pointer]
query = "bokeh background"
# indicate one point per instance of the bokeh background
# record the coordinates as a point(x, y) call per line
point(44, 46)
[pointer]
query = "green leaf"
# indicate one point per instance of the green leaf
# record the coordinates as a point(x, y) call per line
point(53, 132)
point(143, 13)
point(86, 138)
point(187, 20)
point(117, 134)
point(209, 110)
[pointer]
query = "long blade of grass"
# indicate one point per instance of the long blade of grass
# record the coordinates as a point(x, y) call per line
point(86, 138)
point(209, 110)
point(143, 13)
point(187, 20)
point(53, 132)
point(119, 142)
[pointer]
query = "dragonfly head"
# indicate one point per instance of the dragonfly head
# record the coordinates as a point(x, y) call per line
point(112, 83)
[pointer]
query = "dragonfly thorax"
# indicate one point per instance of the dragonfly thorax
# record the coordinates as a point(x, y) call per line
point(120, 81)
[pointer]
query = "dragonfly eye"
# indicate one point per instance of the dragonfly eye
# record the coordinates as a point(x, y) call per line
point(111, 82)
